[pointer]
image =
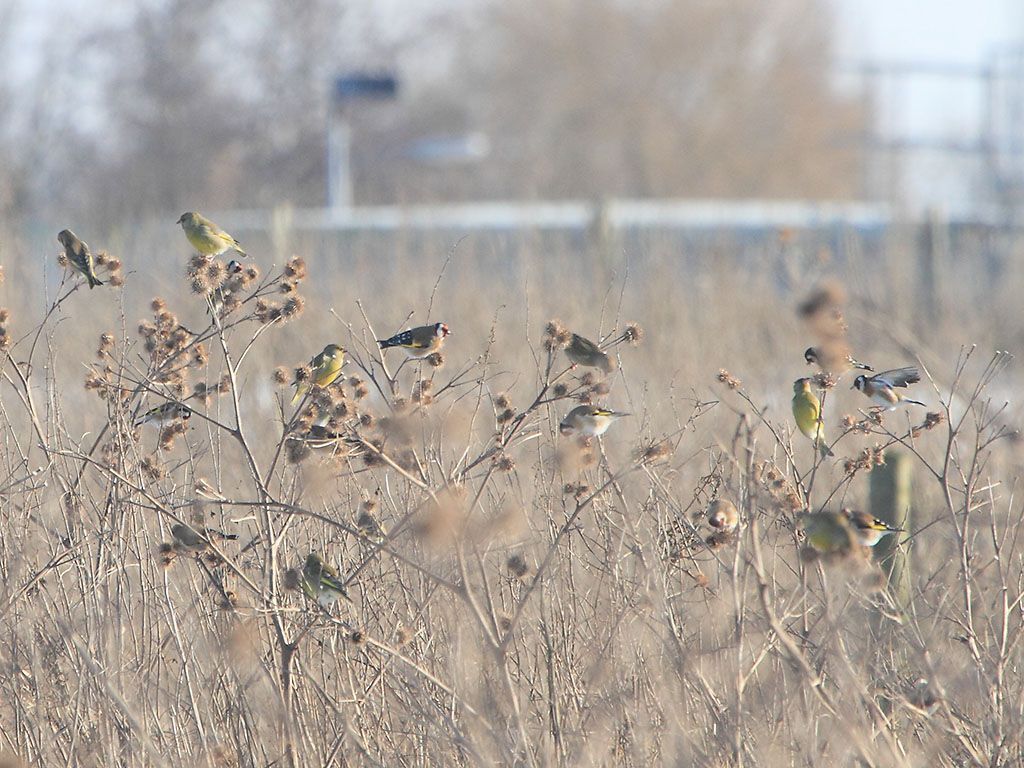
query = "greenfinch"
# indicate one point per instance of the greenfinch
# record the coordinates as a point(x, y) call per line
point(581, 351)
point(418, 342)
point(868, 530)
point(79, 256)
point(206, 237)
point(881, 388)
point(320, 582)
point(588, 421)
point(324, 370)
point(807, 413)
point(829, 533)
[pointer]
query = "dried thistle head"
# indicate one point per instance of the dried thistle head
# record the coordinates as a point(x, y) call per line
point(517, 566)
point(295, 269)
point(504, 463)
point(560, 390)
point(435, 360)
point(280, 376)
point(634, 334)
point(729, 380)
point(502, 401)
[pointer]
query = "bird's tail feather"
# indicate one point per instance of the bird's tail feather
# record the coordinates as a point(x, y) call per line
point(93, 281)
point(915, 402)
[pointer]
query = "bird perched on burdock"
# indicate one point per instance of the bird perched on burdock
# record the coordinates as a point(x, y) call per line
point(581, 351)
point(881, 388)
point(722, 515)
point(165, 413)
point(807, 413)
point(867, 529)
point(829, 533)
point(418, 342)
point(188, 538)
point(325, 368)
point(833, 360)
point(588, 420)
point(206, 237)
point(79, 256)
point(320, 582)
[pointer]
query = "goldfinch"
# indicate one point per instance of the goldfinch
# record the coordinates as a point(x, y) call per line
point(206, 237)
point(881, 388)
point(325, 369)
point(418, 342)
point(79, 256)
point(165, 413)
point(807, 413)
point(320, 582)
point(868, 530)
point(722, 515)
point(829, 533)
point(188, 538)
point(833, 360)
point(588, 421)
point(581, 351)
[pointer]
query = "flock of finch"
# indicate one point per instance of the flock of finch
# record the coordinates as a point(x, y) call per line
point(827, 532)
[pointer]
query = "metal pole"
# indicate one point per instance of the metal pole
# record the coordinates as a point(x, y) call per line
point(339, 161)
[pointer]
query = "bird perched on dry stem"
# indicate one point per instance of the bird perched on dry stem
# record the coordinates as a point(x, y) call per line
point(206, 237)
point(832, 358)
point(418, 342)
point(867, 529)
point(829, 533)
point(588, 420)
point(581, 351)
point(807, 413)
point(324, 370)
point(722, 515)
point(188, 538)
point(881, 388)
point(320, 582)
point(79, 256)
point(165, 413)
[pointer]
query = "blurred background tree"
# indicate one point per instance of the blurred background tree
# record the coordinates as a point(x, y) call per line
point(221, 104)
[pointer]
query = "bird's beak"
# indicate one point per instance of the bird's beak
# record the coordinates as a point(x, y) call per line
point(180, 219)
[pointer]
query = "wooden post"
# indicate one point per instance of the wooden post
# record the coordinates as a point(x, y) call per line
point(890, 501)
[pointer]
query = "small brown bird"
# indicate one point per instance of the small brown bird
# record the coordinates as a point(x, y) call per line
point(418, 342)
point(722, 515)
point(165, 414)
point(79, 256)
point(588, 420)
point(584, 352)
point(188, 538)
point(881, 388)
point(867, 529)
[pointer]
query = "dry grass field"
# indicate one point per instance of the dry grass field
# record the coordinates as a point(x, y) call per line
point(517, 597)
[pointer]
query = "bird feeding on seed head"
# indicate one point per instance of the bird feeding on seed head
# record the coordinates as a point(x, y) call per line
point(418, 342)
point(165, 413)
point(881, 388)
point(206, 237)
point(807, 414)
point(868, 530)
point(581, 351)
point(723, 516)
point(79, 256)
point(320, 581)
point(588, 421)
point(829, 533)
point(325, 368)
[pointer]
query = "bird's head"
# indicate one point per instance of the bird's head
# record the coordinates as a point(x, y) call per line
point(802, 385)
point(234, 267)
point(66, 237)
point(718, 513)
point(184, 411)
point(313, 562)
point(811, 355)
point(333, 351)
point(441, 330)
point(186, 219)
point(860, 382)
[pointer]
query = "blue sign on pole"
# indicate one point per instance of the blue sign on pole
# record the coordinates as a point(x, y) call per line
point(362, 86)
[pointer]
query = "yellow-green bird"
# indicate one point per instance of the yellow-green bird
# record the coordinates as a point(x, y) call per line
point(320, 582)
point(830, 533)
point(581, 351)
point(206, 237)
point(79, 256)
point(807, 413)
point(325, 368)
